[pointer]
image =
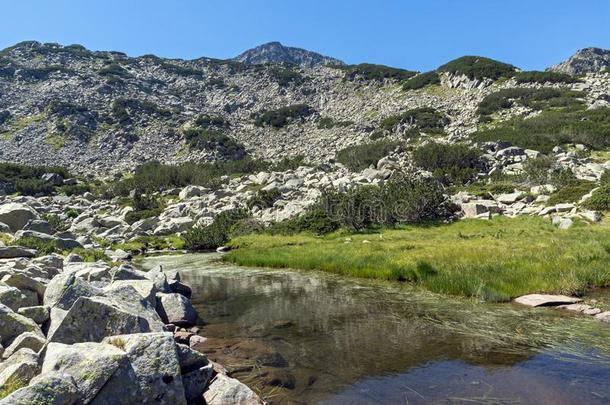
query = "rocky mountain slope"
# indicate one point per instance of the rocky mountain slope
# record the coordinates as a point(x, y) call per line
point(275, 52)
point(104, 112)
point(588, 60)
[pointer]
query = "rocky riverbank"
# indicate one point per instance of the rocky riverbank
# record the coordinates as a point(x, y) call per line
point(74, 332)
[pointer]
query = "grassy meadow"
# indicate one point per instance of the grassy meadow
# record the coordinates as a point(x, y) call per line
point(490, 260)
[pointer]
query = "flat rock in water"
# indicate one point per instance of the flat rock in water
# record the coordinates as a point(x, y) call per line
point(546, 300)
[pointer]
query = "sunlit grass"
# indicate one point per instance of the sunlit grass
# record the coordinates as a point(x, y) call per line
point(491, 260)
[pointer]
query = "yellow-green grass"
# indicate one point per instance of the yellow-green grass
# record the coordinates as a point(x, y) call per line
point(491, 260)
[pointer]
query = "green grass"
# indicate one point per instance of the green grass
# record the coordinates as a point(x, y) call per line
point(490, 260)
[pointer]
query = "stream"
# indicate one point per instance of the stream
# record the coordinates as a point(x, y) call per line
point(302, 337)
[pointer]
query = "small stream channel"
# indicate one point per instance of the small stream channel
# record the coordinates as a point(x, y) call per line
point(301, 337)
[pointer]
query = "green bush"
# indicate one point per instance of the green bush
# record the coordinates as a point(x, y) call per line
point(216, 234)
point(282, 116)
point(71, 213)
point(288, 163)
point(425, 119)
point(552, 128)
point(27, 180)
point(5, 116)
point(113, 69)
point(264, 199)
point(179, 70)
point(536, 99)
point(571, 192)
point(600, 199)
point(544, 77)
point(315, 220)
point(145, 206)
point(422, 80)
point(329, 123)
point(359, 157)
point(74, 189)
point(449, 163)
point(369, 71)
point(154, 177)
point(57, 224)
point(284, 76)
point(477, 67)
point(213, 140)
point(91, 255)
point(43, 247)
point(211, 121)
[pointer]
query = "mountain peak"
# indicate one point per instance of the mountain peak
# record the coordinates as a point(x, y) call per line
point(586, 60)
point(275, 52)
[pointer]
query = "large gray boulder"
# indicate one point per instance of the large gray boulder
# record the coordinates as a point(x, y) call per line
point(49, 389)
point(176, 309)
point(39, 225)
point(63, 291)
point(61, 243)
point(12, 325)
point(19, 369)
point(39, 314)
point(16, 215)
point(14, 298)
point(546, 300)
point(13, 252)
point(91, 365)
point(145, 288)
point(23, 282)
point(27, 340)
point(91, 319)
point(225, 390)
point(152, 375)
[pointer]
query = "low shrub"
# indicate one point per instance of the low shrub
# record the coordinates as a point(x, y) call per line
point(359, 157)
point(113, 69)
point(422, 80)
point(285, 76)
point(477, 67)
point(553, 127)
point(27, 180)
point(211, 121)
point(282, 116)
point(315, 220)
point(264, 199)
point(155, 177)
point(571, 192)
point(425, 119)
point(449, 163)
point(216, 234)
point(600, 199)
point(369, 71)
point(329, 123)
point(544, 77)
point(536, 99)
point(213, 140)
point(91, 255)
point(43, 247)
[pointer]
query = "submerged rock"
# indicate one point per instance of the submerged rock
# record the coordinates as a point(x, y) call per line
point(225, 390)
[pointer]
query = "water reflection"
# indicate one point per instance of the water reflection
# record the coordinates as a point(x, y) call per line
point(359, 342)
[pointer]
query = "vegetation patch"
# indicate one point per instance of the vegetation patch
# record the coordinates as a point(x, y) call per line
point(213, 140)
point(489, 260)
point(449, 163)
point(422, 80)
point(285, 76)
point(282, 116)
point(359, 157)
point(329, 123)
point(477, 67)
point(367, 71)
point(216, 234)
point(27, 180)
point(600, 199)
point(553, 127)
point(536, 99)
point(544, 77)
point(427, 120)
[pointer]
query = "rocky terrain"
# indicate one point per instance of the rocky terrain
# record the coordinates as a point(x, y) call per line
point(74, 332)
point(105, 112)
point(588, 60)
point(275, 52)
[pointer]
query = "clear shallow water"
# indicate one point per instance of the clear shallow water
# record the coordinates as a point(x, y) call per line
point(348, 341)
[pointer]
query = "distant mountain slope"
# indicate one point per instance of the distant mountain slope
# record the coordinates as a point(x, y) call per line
point(588, 60)
point(275, 52)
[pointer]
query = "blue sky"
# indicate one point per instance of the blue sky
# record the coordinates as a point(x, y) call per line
point(419, 35)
